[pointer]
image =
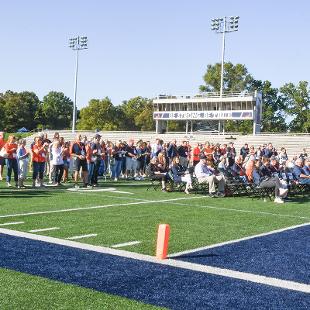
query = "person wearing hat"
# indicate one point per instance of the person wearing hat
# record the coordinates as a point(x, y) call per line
point(206, 174)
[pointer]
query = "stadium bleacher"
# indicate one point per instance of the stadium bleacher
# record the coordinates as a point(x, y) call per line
point(294, 143)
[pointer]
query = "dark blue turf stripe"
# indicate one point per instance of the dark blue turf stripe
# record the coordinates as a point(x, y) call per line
point(284, 255)
point(147, 282)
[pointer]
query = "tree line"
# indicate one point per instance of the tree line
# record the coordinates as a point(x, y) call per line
point(284, 109)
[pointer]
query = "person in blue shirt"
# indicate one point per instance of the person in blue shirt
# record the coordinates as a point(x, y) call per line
point(299, 173)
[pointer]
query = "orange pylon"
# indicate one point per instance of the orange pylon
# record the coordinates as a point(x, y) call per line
point(162, 241)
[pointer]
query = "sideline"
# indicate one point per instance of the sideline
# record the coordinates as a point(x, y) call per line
point(99, 207)
point(275, 282)
point(236, 240)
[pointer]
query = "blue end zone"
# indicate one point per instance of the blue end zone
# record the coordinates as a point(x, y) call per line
point(284, 255)
point(147, 282)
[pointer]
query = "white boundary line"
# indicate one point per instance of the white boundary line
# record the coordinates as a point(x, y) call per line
point(236, 240)
point(82, 236)
point(12, 223)
point(43, 229)
point(98, 207)
point(246, 211)
point(284, 284)
point(120, 245)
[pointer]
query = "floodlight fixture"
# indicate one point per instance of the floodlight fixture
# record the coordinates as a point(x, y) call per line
point(224, 25)
point(77, 44)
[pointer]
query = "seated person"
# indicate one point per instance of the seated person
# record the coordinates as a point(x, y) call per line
point(299, 173)
point(274, 166)
point(180, 175)
point(267, 180)
point(206, 174)
point(156, 171)
point(306, 166)
point(238, 170)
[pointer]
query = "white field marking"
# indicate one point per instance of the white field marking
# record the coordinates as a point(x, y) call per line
point(246, 211)
point(102, 190)
point(43, 229)
point(285, 284)
point(237, 240)
point(92, 190)
point(120, 245)
point(96, 207)
point(12, 223)
point(81, 237)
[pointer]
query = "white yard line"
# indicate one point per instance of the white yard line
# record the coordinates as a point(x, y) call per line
point(256, 212)
point(81, 236)
point(120, 245)
point(93, 190)
point(43, 229)
point(12, 223)
point(97, 207)
point(245, 211)
point(236, 240)
point(285, 284)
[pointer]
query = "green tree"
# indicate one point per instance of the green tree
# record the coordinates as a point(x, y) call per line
point(297, 105)
point(273, 116)
point(235, 79)
point(144, 120)
point(138, 112)
point(57, 110)
point(19, 110)
point(99, 114)
point(2, 112)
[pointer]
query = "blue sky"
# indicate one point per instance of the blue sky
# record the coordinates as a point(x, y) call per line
point(144, 48)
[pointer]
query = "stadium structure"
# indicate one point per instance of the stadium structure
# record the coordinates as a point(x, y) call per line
point(211, 107)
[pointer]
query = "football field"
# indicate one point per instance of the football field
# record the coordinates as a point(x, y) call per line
point(94, 248)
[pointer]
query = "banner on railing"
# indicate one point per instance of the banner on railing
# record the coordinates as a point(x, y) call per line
point(192, 115)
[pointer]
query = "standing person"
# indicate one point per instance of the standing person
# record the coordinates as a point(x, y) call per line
point(78, 155)
point(39, 153)
point(11, 161)
point(183, 154)
point(131, 159)
point(2, 160)
point(23, 159)
point(172, 150)
point(57, 161)
point(156, 148)
point(96, 156)
point(196, 154)
point(244, 151)
point(66, 159)
point(118, 154)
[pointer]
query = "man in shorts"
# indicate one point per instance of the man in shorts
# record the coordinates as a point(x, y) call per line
point(78, 155)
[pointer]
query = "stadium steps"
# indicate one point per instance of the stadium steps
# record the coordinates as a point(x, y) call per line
point(294, 143)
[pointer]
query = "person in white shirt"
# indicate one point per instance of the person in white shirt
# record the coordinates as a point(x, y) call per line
point(57, 161)
point(206, 174)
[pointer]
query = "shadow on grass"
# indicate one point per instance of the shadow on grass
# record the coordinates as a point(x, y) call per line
point(24, 193)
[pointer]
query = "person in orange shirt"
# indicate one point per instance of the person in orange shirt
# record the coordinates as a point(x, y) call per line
point(208, 151)
point(39, 153)
point(2, 160)
point(196, 154)
point(11, 161)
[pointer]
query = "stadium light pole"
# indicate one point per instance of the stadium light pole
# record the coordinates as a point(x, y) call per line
point(224, 25)
point(77, 44)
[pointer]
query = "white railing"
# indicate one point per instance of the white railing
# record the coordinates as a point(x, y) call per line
point(207, 95)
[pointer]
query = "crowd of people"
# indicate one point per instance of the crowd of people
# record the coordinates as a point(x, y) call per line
point(86, 159)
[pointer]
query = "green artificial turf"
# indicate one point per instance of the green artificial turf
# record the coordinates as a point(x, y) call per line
point(26, 292)
point(195, 221)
